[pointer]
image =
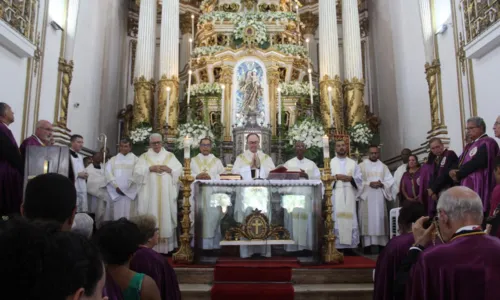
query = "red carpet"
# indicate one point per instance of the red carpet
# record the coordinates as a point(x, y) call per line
point(242, 291)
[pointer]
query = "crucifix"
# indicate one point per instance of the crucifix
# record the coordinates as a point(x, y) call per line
point(256, 225)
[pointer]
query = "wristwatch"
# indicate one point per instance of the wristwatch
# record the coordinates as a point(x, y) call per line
point(416, 245)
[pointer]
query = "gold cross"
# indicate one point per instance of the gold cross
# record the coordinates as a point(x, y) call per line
point(256, 224)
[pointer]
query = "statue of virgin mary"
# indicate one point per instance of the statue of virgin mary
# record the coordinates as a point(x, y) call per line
point(252, 91)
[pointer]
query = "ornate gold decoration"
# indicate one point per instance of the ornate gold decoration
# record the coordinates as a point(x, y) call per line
point(295, 74)
point(185, 253)
point(228, 7)
point(372, 120)
point(203, 74)
point(133, 51)
point(208, 6)
point(273, 79)
point(132, 26)
point(337, 120)
point(21, 15)
point(433, 72)
point(248, 4)
point(66, 69)
point(264, 7)
point(173, 109)
point(363, 26)
point(226, 78)
point(38, 54)
point(311, 22)
point(143, 100)
point(478, 16)
point(256, 227)
point(461, 54)
point(353, 100)
point(185, 23)
point(330, 254)
point(126, 115)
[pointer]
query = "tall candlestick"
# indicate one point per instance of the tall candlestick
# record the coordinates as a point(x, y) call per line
point(187, 147)
point(310, 85)
point(326, 147)
point(189, 86)
point(168, 104)
point(307, 43)
point(192, 25)
point(279, 106)
point(223, 87)
point(330, 103)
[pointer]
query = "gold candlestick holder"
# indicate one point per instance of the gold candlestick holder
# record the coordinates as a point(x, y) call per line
point(185, 254)
point(330, 254)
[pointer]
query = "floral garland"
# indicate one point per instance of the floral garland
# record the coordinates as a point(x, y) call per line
point(310, 132)
point(221, 16)
point(361, 135)
point(251, 31)
point(205, 89)
point(207, 51)
point(141, 134)
point(195, 131)
point(296, 88)
point(292, 49)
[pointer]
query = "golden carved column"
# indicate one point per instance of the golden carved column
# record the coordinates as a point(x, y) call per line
point(144, 85)
point(333, 97)
point(226, 78)
point(169, 68)
point(354, 85)
point(66, 70)
point(273, 79)
point(432, 74)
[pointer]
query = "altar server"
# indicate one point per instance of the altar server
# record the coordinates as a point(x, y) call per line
point(81, 174)
point(96, 188)
point(157, 174)
point(376, 190)
point(253, 163)
point(345, 190)
point(121, 188)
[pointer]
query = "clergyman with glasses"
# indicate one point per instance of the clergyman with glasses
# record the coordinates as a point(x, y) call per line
point(477, 162)
point(41, 137)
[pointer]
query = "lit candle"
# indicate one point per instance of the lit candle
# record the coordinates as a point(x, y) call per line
point(330, 104)
point(297, 10)
point(326, 147)
point(192, 25)
point(310, 85)
point(307, 43)
point(222, 105)
point(168, 104)
point(279, 106)
point(189, 86)
point(187, 147)
point(46, 167)
point(190, 46)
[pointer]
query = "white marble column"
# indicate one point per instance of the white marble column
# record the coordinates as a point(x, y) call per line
point(144, 85)
point(185, 25)
point(353, 64)
point(427, 32)
point(169, 65)
point(329, 65)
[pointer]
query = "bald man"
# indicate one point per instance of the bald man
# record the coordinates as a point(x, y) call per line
point(496, 128)
point(41, 137)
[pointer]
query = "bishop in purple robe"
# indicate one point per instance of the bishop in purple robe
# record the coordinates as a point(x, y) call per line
point(477, 162)
point(42, 136)
point(390, 258)
point(11, 166)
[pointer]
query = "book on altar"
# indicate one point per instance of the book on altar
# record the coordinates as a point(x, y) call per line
point(282, 173)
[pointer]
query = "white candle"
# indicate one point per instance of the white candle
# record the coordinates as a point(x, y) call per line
point(297, 10)
point(187, 147)
point(326, 147)
point(192, 25)
point(190, 46)
point(189, 86)
point(168, 104)
point(310, 85)
point(307, 43)
point(330, 104)
point(222, 105)
point(279, 106)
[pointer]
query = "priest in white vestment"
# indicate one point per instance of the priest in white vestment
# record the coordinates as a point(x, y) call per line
point(96, 188)
point(398, 175)
point(253, 164)
point(345, 193)
point(205, 166)
point(297, 202)
point(121, 187)
point(376, 190)
point(157, 174)
point(80, 173)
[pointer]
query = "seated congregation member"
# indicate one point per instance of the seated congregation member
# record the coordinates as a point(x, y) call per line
point(410, 182)
point(39, 262)
point(390, 258)
point(50, 197)
point(148, 261)
point(83, 224)
point(118, 241)
point(468, 265)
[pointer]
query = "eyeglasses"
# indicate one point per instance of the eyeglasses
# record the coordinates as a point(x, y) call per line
point(155, 143)
point(47, 129)
point(253, 143)
point(470, 128)
point(205, 145)
point(497, 123)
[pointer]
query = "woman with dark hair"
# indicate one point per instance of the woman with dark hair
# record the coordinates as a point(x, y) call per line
point(118, 241)
point(410, 182)
point(391, 257)
point(148, 261)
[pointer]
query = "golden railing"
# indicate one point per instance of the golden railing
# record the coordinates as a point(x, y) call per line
point(478, 16)
point(21, 15)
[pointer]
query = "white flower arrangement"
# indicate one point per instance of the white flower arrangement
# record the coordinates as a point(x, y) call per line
point(221, 16)
point(296, 88)
point(196, 132)
point(361, 134)
point(207, 51)
point(140, 135)
point(259, 35)
point(204, 89)
point(308, 131)
point(292, 49)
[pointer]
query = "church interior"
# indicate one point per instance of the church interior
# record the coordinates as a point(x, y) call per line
point(391, 73)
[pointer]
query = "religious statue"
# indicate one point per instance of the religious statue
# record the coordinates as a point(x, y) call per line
point(252, 91)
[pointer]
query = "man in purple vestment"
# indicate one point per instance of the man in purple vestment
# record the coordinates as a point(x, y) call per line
point(468, 265)
point(477, 162)
point(42, 136)
point(496, 128)
point(11, 166)
point(148, 261)
point(397, 248)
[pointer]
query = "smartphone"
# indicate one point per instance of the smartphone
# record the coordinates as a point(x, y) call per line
point(428, 223)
